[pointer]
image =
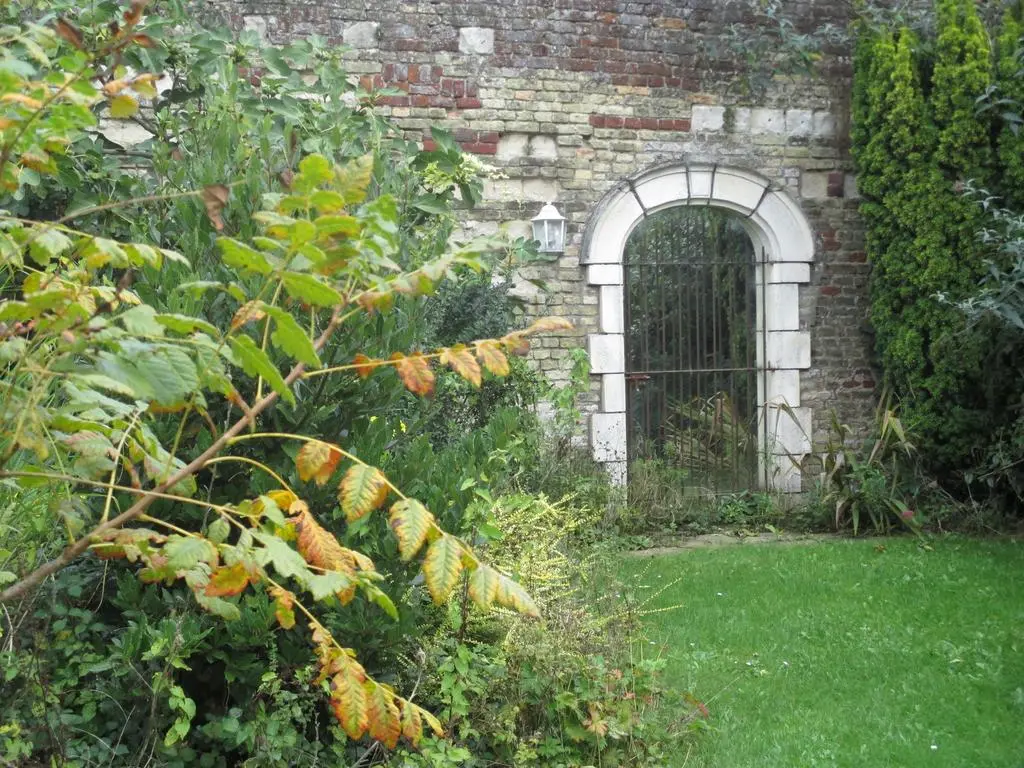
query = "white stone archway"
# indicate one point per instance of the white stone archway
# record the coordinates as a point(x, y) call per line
point(778, 228)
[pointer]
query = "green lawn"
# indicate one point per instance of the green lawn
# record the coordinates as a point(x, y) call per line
point(847, 653)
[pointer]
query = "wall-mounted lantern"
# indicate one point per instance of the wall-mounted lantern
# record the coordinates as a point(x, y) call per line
point(549, 229)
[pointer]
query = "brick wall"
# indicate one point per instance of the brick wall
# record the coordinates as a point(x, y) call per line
point(569, 97)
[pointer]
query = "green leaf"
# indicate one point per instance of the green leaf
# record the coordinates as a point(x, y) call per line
point(337, 225)
point(311, 290)
point(290, 338)
point(316, 170)
point(170, 372)
point(123, 106)
point(219, 531)
point(323, 585)
point(285, 560)
point(185, 325)
point(255, 362)
point(379, 598)
point(241, 256)
point(48, 244)
point(141, 321)
point(186, 552)
point(144, 255)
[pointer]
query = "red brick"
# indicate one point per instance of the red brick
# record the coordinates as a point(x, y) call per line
point(857, 257)
point(613, 122)
point(445, 102)
point(420, 100)
point(650, 123)
point(479, 148)
point(597, 121)
point(831, 290)
point(490, 137)
point(581, 65)
point(633, 122)
point(393, 101)
point(468, 103)
point(429, 145)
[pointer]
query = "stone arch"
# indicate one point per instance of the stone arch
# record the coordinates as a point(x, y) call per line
point(779, 230)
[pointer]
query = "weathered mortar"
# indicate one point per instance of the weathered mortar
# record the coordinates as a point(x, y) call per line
point(569, 97)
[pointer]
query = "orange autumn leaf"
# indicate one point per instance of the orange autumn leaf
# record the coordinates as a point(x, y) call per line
point(317, 461)
point(460, 359)
point(228, 581)
point(414, 370)
point(493, 359)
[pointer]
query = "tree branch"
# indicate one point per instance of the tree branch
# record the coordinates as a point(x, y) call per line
point(21, 588)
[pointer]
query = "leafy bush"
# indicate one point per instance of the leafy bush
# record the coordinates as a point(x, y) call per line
point(131, 369)
point(919, 137)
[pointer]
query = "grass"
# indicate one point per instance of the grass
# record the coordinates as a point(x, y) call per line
point(847, 653)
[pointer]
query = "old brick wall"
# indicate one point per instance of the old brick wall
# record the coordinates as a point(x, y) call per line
point(569, 97)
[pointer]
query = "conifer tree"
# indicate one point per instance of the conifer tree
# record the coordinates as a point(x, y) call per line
point(1010, 81)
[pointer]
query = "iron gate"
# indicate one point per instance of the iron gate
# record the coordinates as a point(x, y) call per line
point(694, 304)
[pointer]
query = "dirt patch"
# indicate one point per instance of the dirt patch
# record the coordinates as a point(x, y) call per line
point(714, 540)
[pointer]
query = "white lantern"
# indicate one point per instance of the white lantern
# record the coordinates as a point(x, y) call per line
point(549, 229)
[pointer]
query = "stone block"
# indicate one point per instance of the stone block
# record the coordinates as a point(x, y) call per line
point(788, 431)
point(476, 40)
point(850, 190)
point(824, 125)
point(788, 349)
point(783, 388)
point(783, 306)
point(361, 34)
point(705, 119)
point(799, 122)
point(543, 148)
point(259, 25)
point(604, 274)
point(765, 121)
point(512, 146)
point(814, 185)
point(540, 190)
point(613, 393)
point(607, 352)
point(608, 436)
point(788, 273)
point(611, 309)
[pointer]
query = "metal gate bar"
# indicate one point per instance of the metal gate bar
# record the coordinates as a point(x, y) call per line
point(695, 300)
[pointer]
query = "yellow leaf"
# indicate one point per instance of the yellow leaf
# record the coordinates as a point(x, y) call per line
point(284, 602)
point(348, 697)
point(415, 373)
point(228, 581)
point(250, 312)
point(492, 357)
point(511, 595)
point(483, 585)
point(442, 567)
point(123, 106)
point(362, 490)
point(548, 324)
point(412, 723)
point(20, 98)
point(384, 722)
point(283, 499)
point(317, 461)
point(411, 522)
point(461, 360)
point(433, 722)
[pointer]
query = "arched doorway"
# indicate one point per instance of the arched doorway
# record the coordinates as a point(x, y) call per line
point(693, 307)
point(783, 247)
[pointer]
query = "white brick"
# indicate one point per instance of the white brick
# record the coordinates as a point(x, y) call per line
point(543, 148)
point(850, 190)
point(814, 185)
point(512, 146)
point(362, 34)
point(799, 122)
point(613, 393)
point(604, 274)
point(789, 349)
point(477, 40)
point(607, 352)
point(540, 190)
point(783, 306)
point(824, 126)
point(789, 273)
point(611, 309)
point(608, 436)
point(788, 431)
point(707, 119)
point(259, 25)
point(767, 121)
